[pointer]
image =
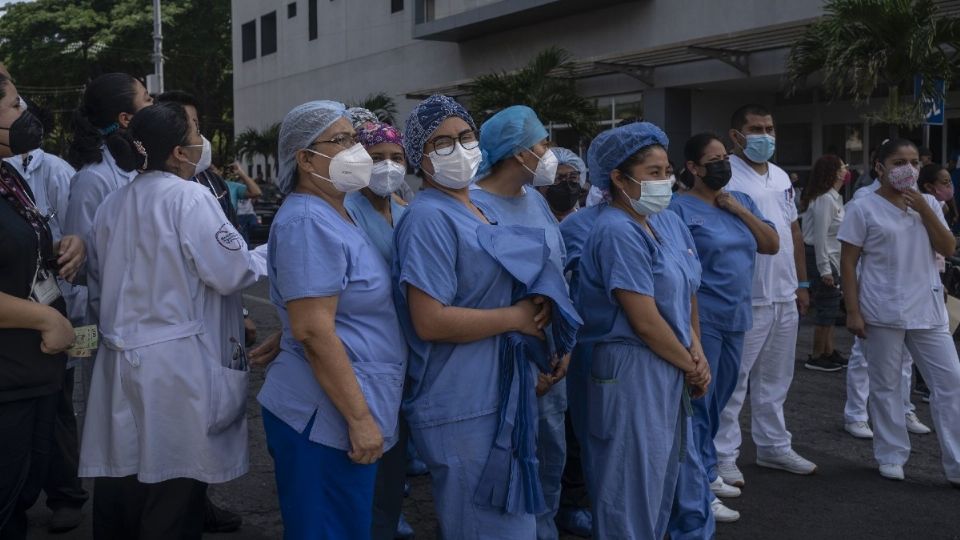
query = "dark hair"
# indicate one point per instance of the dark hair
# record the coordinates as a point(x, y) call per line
point(693, 151)
point(924, 151)
point(43, 114)
point(822, 179)
point(181, 97)
point(739, 117)
point(155, 130)
point(928, 175)
point(4, 79)
point(635, 159)
point(890, 147)
point(103, 100)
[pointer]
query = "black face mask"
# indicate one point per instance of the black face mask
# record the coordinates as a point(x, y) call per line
point(718, 174)
point(26, 134)
point(563, 196)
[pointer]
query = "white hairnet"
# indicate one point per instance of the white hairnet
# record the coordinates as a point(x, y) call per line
point(301, 127)
point(569, 157)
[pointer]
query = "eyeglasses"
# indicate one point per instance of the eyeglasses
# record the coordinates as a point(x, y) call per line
point(345, 140)
point(444, 145)
point(569, 177)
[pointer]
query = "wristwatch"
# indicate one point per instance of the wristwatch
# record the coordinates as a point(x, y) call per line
point(245, 313)
point(801, 285)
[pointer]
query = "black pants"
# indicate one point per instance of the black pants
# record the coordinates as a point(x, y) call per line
point(388, 490)
point(573, 485)
point(62, 486)
point(127, 509)
point(26, 442)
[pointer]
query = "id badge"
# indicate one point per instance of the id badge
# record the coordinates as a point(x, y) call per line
point(45, 290)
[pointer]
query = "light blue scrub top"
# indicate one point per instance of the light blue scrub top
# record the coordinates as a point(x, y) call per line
point(620, 254)
point(314, 252)
point(530, 209)
point(727, 251)
point(373, 223)
point(438, 253)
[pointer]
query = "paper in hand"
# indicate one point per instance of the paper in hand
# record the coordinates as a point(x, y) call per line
point(87, 340)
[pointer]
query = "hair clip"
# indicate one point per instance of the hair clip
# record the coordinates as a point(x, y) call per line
point(142, 151)
point(109, 129)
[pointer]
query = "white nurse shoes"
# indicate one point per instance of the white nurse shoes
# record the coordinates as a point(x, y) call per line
point(915, 426)
point(789, 461)
point(860, 430)
point(723, 490)
point(891, 471)
point(730, 474)
point(722, 514)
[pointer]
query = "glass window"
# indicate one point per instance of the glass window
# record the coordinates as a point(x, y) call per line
point(312, 18)
point(396, 5)
point(794, 145)
point(291, 10)
point(248, 39)
point(268, 33)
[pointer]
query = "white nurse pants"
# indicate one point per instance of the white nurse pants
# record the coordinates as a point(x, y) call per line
point(769, 351)
point(935, 354)
point(858, 384)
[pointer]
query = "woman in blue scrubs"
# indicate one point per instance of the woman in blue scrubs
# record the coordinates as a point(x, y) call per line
point(639, 273)
point(454, 302)
point(331, 398)
point(516, 157)
point(728, 231)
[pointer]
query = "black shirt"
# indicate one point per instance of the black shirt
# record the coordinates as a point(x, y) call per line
point(25, 371)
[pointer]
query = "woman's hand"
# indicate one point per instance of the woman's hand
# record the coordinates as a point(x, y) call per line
point(266, 352)
point(71, 254)
point(828, 280)
point(525, 314)
point(856, 325)
point(729, 203)
point(546, 311)
point(56, 333)
point(366, 441)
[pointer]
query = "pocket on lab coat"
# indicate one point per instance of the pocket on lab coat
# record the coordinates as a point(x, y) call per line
point(228, 397)
point(382, 387)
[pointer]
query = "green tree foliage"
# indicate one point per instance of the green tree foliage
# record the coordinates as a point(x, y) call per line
point(380, 104)
point(540, 85)
point(53, 47)
point(263, 143)
point(860, 47)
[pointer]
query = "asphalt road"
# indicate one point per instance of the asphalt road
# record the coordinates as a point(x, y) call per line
point(845, 499)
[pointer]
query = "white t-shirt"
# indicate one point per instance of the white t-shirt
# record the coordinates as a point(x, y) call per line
point(899, 283)
point(820, 223)
point(774, 276)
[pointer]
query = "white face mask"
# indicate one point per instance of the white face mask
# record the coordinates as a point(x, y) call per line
point(655, 196)
point(546, 172)
point(349, 170)
point(457, 170)
point(206, 156)
point(387, 177)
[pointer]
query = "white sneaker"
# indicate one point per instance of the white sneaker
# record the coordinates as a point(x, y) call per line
point(891, 471)
point(860, 430)
point(730, 474)
point(914, 425)
point(722, 514)
point(721, 489)
point(789, 461)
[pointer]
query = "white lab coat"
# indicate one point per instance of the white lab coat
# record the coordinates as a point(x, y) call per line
point(49, 179)
point(165, 273)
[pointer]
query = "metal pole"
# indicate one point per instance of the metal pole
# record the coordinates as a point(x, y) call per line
point(157, 46)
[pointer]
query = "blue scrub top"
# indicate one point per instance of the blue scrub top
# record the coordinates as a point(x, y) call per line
point(575, 228)
point(620, 254)
point(727, 250)
point(314, 252)
point(438, 252)
point(373, 223)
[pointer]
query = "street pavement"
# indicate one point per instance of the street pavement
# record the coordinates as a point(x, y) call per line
point(845, 499)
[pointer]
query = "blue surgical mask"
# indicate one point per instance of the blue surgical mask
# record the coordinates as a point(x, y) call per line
point(760, 148)
point(655, 196)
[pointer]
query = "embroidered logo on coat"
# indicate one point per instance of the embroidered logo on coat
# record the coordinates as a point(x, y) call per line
point(229, 238)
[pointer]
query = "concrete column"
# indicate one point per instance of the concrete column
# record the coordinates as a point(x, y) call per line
point(670, 109)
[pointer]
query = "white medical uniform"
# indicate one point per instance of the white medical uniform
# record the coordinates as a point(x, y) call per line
point(49, 179)
point(769, 347)
point(858, 378)
point(901, 300)
point(170, 383)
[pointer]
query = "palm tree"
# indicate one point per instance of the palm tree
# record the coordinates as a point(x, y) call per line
point(861, 47)
point(252, 143)
point(381, 105)
point(544, 86)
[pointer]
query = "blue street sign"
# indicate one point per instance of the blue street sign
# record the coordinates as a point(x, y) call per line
point(932, 109)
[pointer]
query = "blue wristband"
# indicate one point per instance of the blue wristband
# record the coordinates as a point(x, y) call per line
point(803, 285)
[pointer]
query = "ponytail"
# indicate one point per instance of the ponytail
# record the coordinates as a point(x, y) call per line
point(95, 120)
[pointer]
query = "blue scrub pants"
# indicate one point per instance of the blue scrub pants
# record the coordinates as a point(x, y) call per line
point(323, 494)
point(692, 518)
point(723, 350)
point(634, 415)
point(578, 380)
point(456, 453)
point(552, 455)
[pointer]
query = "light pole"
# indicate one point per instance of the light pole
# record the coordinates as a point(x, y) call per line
point(155, 81)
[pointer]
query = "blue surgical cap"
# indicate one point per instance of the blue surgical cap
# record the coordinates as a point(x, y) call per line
point(507, 133)
point(300, 129)
point(424, 119)
point(612, 147)
point(569, 157)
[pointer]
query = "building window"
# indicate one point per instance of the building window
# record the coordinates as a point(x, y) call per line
point(396, 5)
point(291, 10)
point(268, 33)
point(248, 38)
point(312, 18)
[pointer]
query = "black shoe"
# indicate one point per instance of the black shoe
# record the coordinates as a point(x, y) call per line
point(839, 359)
point(821, 363)
point(218, 520)
point(65, 518)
